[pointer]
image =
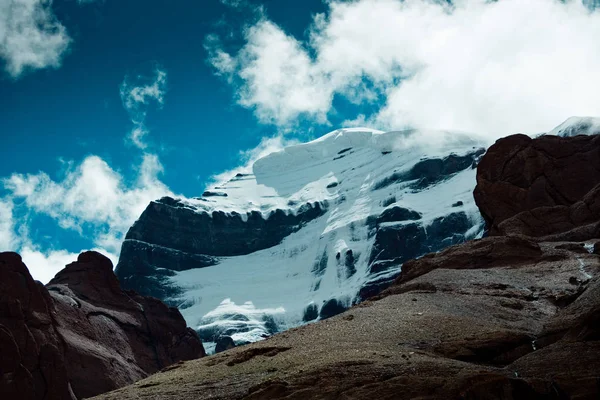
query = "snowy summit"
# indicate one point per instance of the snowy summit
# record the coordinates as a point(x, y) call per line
point(306, 234)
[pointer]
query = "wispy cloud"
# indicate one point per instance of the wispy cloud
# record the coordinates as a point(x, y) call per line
point(248, 157)
point(30, 36)
point(7, 237)
point(234, 3)
point(137, 95)
point(490, 67)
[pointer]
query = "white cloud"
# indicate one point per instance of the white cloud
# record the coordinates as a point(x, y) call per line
point(7, 238)
point(43, 266)
point(491, 67)
point(280, 80)
point(92, 198)
point(249, 157)
point(136, 98)
point(30, 36)
point(234, 3)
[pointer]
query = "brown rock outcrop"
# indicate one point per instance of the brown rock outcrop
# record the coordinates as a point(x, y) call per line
point(515, 315)
point(540, 187)
point(81, 335)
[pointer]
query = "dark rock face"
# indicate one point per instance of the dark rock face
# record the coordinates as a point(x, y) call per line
point(311, 313)
point(397, 243)
point(397, 213)
point(170, 236)
point(405, 241)
point(82, 335)
point(551, 174)
point(432, 170)
point(217, 234)
point(378, 283)
point(224, 343)
point(332, 307)
point(142, 267)
point(32, 352)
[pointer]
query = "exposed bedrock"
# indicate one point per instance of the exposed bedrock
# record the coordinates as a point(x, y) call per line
point(82, 335)
point(555, 176)
point(146, 268)
point(432, 170)
point(396, 243)
point(170, 237)
point(165, 223)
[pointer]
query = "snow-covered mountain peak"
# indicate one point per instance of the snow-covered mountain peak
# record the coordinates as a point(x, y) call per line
point(307, 172)
point(313, 229)
point(577, 126)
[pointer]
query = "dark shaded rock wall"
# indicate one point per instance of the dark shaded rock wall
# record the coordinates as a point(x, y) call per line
point(82, 335)
point(217, 234)
point(170, 236)
point(550, 173)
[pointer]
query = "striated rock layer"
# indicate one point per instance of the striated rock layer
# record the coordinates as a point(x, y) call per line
point(82, 335)
point(515, 315)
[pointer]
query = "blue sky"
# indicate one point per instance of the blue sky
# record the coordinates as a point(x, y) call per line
point(105, 104)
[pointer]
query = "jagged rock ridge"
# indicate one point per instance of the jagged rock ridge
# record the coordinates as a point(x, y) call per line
point(82, 335)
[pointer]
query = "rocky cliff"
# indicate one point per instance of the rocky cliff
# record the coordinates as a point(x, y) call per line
point(82, 335)
point(515, 315)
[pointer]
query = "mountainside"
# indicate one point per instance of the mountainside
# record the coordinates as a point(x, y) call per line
point(81, 335)
point(515, 315)
point(315, 228)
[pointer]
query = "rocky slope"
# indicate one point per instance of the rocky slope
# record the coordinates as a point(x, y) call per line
point(312, 230)
point(515, 315)
point(82, 335)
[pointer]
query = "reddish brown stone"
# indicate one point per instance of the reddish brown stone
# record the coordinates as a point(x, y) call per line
point(82, 335)
point(554, 176)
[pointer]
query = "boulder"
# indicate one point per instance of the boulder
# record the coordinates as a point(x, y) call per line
point(224, 343)
point(555, 175)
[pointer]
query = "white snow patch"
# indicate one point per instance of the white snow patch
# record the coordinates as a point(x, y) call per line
point(589, 247)
point(582, 269)
point(577, 126)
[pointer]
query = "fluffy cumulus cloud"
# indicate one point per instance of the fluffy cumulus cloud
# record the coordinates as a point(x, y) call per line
point(489, 67)
point(43, 266)
point(92, 198)
point(30, 36)
point(137, 95)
